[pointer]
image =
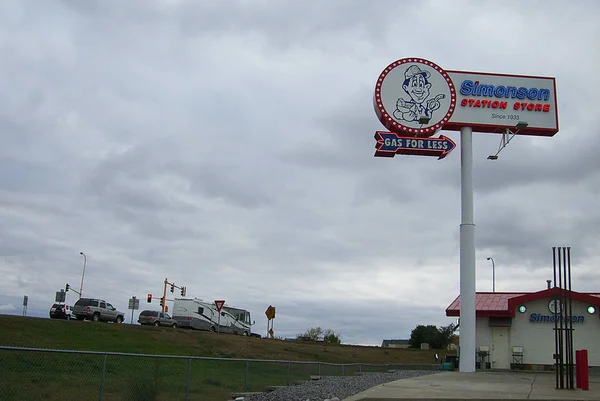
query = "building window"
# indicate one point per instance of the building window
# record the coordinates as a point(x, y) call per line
point(522, 309)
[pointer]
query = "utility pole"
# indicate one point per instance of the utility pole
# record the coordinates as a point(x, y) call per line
point(82, 274)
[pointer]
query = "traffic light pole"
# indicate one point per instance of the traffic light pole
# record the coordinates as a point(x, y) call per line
point(68, 288)
point(163, 299)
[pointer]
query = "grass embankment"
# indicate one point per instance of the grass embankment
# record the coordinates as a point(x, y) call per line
point(49, 376)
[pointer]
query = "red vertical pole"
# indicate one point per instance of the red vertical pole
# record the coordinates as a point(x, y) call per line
point(585, 379)
point(578, 366)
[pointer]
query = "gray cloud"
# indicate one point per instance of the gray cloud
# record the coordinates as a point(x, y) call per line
point(229, 147)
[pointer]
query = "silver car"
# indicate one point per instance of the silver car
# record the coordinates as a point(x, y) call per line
point(96, 310)
point(156, 318)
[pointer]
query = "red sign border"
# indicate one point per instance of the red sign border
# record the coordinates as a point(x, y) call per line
point(221, 302)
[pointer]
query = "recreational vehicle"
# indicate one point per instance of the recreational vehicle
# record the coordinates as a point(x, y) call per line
point(201, 315)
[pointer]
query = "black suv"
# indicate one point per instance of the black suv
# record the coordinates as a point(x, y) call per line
point(96, 310)
point(60, 311)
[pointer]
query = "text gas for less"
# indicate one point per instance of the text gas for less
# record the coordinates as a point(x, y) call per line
point(417, 143)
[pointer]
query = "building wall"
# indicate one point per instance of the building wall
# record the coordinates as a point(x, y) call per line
point(483, 336)
point(537, 339)
point(483, 332)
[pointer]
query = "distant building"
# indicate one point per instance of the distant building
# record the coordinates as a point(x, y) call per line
point(395, 344)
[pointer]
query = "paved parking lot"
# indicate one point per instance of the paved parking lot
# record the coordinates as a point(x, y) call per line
point(486, 385)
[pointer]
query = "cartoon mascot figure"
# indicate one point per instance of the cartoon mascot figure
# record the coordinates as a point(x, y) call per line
point(416, 84)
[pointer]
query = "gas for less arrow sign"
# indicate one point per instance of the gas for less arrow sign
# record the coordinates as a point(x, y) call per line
point(389, 144)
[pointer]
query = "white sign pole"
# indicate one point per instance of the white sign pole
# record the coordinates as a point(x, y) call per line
point(467, 255)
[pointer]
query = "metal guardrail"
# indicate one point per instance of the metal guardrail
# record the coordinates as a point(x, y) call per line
point(58, 374)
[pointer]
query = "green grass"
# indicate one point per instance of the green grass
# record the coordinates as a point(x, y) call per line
point(42, 375)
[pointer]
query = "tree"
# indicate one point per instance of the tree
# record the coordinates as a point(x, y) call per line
point(314, 333)
point(423, 334)
point(436, 338)
point(317, 333)
point(446, 335)
point(330, 337)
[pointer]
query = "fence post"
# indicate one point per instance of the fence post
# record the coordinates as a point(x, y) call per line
point(343, 372)
point(189, 378)
point(359, 368)
point(102, 378)
point(288, 373)
point(246, 376)
point(319, 368)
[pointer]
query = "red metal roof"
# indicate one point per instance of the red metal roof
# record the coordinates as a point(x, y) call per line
point(486, 304)
point(503, 303)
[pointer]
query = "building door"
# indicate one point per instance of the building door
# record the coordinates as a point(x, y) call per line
point(499, 357)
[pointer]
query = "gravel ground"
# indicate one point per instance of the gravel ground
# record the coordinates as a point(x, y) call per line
point(335, 388)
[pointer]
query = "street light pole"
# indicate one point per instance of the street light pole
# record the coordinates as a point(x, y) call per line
point(83, 273)
point(493, 275)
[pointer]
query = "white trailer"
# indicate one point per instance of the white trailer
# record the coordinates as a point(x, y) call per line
point(201, 315)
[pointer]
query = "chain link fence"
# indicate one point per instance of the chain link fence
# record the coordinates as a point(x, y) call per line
point(49, 374)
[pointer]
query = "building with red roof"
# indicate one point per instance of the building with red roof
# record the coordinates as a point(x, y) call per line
point(517, 328)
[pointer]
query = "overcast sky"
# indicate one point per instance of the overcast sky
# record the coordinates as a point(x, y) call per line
point(228, 146)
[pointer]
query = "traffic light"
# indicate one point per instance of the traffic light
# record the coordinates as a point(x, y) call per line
point(67, 287)
point(162, 301)
point(172, 287)
point(149, 298)
point(183, 291)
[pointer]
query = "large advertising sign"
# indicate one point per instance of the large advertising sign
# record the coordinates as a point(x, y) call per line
point(416, 97)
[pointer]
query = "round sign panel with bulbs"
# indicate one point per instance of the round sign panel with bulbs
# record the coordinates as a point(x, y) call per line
point(414, 97)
